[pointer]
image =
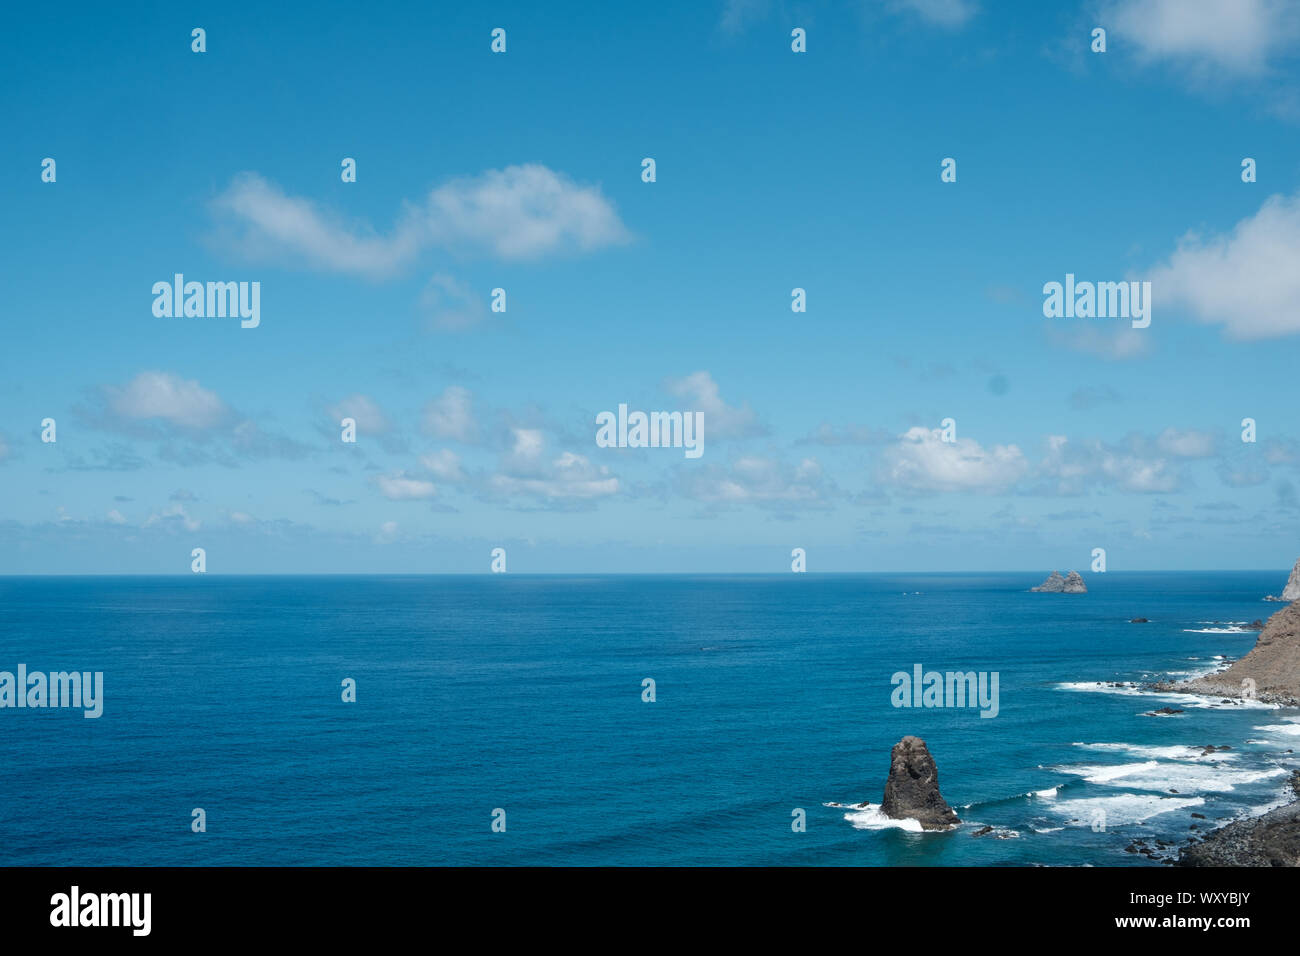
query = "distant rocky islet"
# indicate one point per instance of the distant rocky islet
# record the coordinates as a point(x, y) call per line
point(1072, 583)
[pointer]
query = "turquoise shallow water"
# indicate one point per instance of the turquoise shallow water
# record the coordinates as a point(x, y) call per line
point(525, 693)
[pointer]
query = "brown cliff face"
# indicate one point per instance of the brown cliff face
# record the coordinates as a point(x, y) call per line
point(1271, 671)
point(1292, 590)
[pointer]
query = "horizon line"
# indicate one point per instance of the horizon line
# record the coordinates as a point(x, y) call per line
point(604, 574)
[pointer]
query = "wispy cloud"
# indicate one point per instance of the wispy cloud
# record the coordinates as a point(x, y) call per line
point(451, 416)
point(518, 213)
point(949, 14)
point(401, 487)
point(702, 394)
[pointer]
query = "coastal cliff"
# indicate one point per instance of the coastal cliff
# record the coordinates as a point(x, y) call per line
point(1270, 672)
point(1292, 590)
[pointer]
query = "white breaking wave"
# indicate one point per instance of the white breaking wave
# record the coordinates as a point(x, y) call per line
point(1122, 809)
point(1164, 776)
point(872, 819)
point(1128, 689)
point(1172, 752)
point(1290, 729)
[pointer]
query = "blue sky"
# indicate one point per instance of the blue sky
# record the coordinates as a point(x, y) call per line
point(775, 170)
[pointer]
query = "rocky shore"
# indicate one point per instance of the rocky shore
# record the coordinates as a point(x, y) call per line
point(1272, 839)
point(1270, 672)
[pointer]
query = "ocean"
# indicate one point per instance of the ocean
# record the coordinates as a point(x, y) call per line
point(524, 694)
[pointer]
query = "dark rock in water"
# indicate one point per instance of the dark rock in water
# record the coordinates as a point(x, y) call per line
point(1210, 748)
point(912, 790)
point(1072, 583)
point(1255, 625)
point(1198, 816)
point(1295, 782)
point(982, 830)
point(1162, 712)
point(1139, 620)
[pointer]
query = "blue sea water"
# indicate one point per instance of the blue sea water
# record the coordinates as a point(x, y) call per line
point(525, 693)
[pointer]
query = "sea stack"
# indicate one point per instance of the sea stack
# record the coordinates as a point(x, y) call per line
point(912, 790)
point(1292, 590)
point(1072, 583)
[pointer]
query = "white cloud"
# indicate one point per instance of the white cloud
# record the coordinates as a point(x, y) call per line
point(828, 435)
point(444, 464)
point(164, 395)
point(922, 461)
point(1240, 36)
point(526, 469)
point(738, 14)
point(568, 476)
point(1187, 444)
point(944, 13)
point(754, 479)
point(1136, 466)
point(370, 418)
point(275, 224)
point(451, 304)
point(520, 212)
point(116, 517)
point(399, 487)
point(1248, 281)
point(528, 445)
point(721, 420)
point(1102, 340)
point(451, 415)
point(171, 516)
point(523, 212)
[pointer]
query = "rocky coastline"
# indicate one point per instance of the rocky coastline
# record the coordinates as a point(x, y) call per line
point(1270, 672)
point(1271, 839)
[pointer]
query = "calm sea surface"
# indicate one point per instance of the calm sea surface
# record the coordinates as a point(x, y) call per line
point(525, 693)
